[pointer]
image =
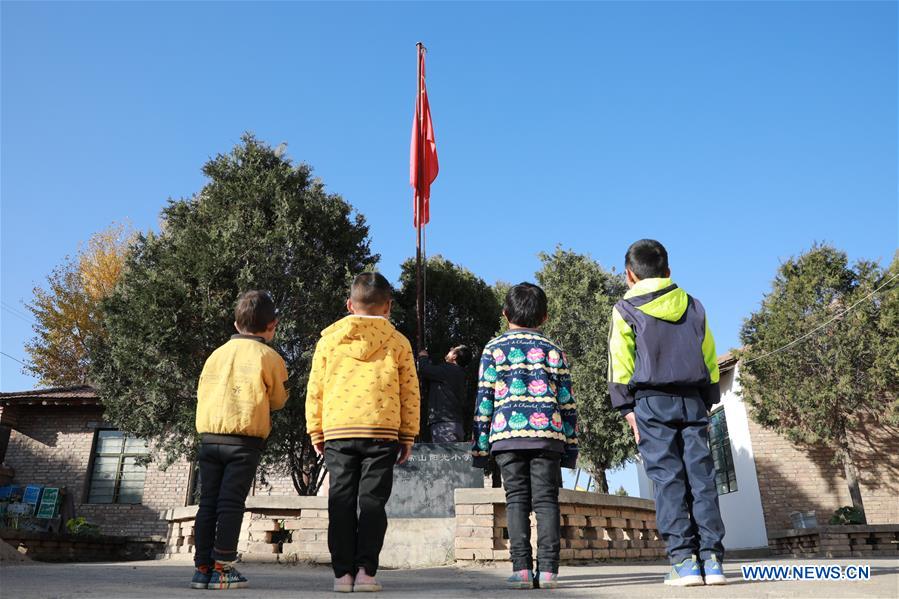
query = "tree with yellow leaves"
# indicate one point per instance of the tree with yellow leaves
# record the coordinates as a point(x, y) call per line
point(66, 310)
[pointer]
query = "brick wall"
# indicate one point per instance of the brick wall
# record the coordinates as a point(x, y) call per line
point(52, 447)
point(268, 483)
point(593, 527)
point(793, 478)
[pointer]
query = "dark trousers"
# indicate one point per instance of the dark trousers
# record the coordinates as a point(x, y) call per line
point(532, 479)
point(226, 475)
point(447, 432)
point(361, 475)
point(674, 445)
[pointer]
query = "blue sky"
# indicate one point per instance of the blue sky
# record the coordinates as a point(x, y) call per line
point(736, 133)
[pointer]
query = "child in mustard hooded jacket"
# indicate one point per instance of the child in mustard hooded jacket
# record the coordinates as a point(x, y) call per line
point(362, 413)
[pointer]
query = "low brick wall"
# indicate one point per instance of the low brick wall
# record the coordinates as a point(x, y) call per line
point(594, 527)
point(880, 540)
point(273, 529)
point(51, 547)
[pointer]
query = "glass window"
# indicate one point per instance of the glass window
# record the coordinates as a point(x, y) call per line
point(117, 475)
point(719, 443)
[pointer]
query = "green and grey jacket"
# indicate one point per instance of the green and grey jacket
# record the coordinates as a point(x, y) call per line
point(660, 344)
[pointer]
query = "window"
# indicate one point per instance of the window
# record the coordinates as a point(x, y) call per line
point(117, 475)
point(719, 443)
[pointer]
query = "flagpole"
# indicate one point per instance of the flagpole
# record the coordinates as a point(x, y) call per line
point(419, 204)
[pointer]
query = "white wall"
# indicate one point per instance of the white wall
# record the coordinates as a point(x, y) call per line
point(741, 510)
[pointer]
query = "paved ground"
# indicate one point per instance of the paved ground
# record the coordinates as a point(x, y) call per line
point(164, 578)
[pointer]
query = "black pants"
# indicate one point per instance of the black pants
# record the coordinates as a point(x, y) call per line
point(532, 478)
point(674, 445)
point(226, 475)
point(361, 474)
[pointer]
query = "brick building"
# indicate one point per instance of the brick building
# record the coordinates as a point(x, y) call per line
point(763, 478)
point(57, 437)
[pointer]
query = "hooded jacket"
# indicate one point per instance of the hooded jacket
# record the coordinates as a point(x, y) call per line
point(363, 383)
point(660, 344)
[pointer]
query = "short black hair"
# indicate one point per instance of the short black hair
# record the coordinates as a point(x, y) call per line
point(463, 355)
point(255, 310)
point(371, 289)
point(647, 259)
point(525, 305)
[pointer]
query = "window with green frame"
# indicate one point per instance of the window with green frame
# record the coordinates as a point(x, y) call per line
point(719, 443)
point(117, 475)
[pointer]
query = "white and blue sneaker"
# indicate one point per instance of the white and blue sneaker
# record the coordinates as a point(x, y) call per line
point(520, 580)
point(547, 580)
point(713, 572)
point(685, 574)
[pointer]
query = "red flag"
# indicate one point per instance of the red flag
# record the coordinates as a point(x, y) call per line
point(423, 150)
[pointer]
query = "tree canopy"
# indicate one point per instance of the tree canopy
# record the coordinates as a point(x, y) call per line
point(823, 388)
point(580, 296)
point(260, 222)
point(67, 311)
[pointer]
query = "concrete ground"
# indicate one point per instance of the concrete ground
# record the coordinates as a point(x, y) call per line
point(165, 578)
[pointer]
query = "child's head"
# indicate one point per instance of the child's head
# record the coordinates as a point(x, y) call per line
point(256, 314)
point(370, 295)
point(459, 355)
point(525, 306)
point(646, 259)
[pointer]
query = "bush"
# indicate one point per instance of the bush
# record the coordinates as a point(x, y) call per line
point(80, 527)
point(847, 515)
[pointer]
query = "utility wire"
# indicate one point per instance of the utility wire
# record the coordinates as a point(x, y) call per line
point(13, 309)
point(819, 327)
point(16, 359)
point(18, 315)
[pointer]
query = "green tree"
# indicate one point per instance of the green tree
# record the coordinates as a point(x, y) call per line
point(260, 222)
point(820, 390)
point(460, 308)
point(581, 295)
point(621, 491)
point(67, 311)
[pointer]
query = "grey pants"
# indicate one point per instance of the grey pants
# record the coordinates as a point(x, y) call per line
point(674, 444)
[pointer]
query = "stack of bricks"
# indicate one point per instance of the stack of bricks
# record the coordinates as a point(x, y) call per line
point(878, 540)
point(593, 527)
point(180, 539)
point(309, 536)
point(274, 529)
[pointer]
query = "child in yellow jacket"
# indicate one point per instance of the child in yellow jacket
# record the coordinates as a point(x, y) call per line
point(241, 383)
point(362, 411)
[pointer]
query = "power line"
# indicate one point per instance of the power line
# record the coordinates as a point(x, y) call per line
point(12, 308)
point(819, 327)
point(16, 359)
point(18, 315)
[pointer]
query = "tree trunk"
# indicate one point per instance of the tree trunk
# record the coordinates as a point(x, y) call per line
point(601, 481)
point(851, 478)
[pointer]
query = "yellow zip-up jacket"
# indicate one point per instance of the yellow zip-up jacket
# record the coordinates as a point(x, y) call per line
point(363, 383)
point(242, 382)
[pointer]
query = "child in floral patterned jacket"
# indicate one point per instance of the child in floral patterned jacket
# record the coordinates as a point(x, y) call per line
point(527, 419)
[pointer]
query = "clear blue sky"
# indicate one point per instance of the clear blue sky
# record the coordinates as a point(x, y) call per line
point(736, 133)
